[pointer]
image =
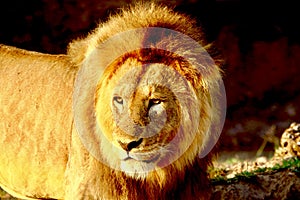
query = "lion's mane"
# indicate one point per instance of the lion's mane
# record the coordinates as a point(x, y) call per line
point(186, 177)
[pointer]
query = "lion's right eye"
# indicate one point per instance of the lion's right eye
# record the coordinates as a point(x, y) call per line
point(118, 100)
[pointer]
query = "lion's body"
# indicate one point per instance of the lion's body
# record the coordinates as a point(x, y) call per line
point(41, 152)
point(36, 121)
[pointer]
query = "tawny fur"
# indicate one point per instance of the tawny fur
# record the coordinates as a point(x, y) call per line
point(42, 155)
point(36, 122)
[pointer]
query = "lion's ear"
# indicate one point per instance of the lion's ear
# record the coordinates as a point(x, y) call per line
point(77, 51)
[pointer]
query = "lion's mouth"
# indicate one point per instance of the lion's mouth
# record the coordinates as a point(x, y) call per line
point(143, 158)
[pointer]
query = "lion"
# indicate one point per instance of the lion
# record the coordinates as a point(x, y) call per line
point(130, 112)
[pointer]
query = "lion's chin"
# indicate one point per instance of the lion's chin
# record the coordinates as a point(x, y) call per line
point(138, 168)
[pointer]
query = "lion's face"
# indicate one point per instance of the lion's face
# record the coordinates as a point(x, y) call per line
point(142, 111)
point(147, 117)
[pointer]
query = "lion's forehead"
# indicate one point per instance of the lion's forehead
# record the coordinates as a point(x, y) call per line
point(145, 78)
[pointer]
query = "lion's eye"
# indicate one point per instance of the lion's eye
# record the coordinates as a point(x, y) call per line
point(118, 99)
point(153, 102)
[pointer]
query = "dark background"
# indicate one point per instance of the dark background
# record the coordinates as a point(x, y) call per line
point(258, 39)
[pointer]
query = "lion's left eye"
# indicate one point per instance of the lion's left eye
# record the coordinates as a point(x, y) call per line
point(153, 102)
point(118, 99)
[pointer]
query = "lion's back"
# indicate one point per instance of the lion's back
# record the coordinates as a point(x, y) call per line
point(34, 90)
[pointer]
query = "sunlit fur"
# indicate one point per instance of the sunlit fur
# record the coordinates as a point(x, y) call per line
point(50, 159)
point(35, 122)
point(185, 177)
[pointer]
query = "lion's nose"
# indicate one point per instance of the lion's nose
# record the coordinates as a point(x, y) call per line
point(130, 145)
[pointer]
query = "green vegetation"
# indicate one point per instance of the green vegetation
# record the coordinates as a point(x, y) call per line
point(292, 164)
point(219, 175)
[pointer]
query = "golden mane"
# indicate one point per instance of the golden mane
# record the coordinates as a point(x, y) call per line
point(189, 170)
